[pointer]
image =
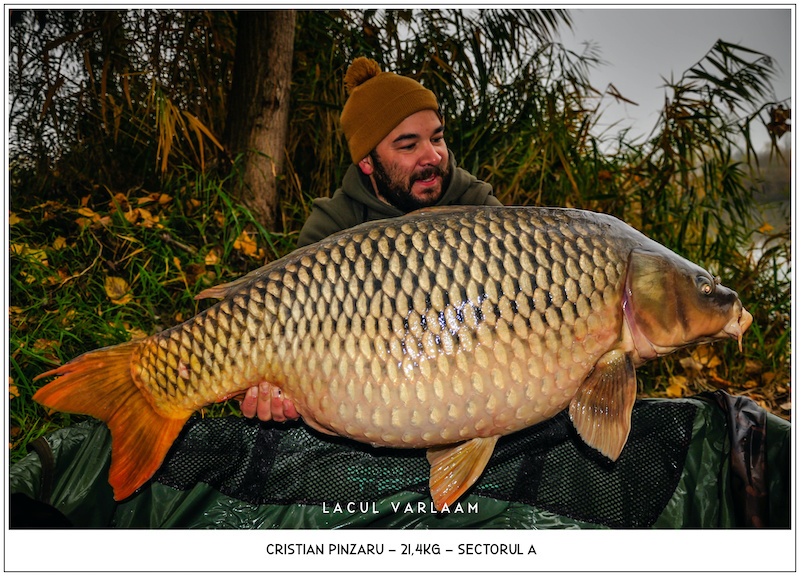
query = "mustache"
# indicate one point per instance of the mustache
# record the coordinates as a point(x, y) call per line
point(426, 173)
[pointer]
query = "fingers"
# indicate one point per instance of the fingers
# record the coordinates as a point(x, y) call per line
point(267, 403)
point(258, 402)
point(264, 409)
point(248, 404)
point(275, 405)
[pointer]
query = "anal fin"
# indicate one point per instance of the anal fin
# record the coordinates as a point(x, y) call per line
point(601, 408)
point(455, 468)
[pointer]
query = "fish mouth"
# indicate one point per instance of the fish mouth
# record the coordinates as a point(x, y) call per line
point(737, 325)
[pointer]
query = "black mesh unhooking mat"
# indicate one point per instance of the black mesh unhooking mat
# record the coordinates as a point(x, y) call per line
point(546, 466)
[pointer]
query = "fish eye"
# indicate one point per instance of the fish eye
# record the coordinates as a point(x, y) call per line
point(705, 285)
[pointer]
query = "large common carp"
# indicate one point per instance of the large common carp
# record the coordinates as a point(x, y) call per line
point(444, 329)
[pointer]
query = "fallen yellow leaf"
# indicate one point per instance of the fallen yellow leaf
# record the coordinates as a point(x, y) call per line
point(52, 280)
point(89, 213)
point(247, 244)
point(705, 356)
point(117, 289)
point(13, 219)
point(677, 386)
point(29, 278)
point(39, 255)
point(83, 222)
point(148, 219)
point(212, 257)
point(135, 333)
point(23, 250)
point(121, 200)
point(154, 197)
point(59, 243)
point(132, 215)
point(46, 348)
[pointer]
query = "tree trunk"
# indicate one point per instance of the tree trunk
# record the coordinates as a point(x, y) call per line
point(258, 106)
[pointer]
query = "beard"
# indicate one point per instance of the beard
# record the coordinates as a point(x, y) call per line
point(398, 191)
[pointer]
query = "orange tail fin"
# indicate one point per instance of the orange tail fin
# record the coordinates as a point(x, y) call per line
point(100, 384)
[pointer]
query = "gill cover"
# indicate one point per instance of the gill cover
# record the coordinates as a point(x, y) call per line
point(672, 302)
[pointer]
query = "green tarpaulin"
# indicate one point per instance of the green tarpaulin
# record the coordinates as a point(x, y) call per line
point(709, 461)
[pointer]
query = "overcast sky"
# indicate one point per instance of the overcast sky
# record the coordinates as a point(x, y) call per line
point(643, 45)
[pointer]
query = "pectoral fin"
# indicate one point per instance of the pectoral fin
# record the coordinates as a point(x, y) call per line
point(455, 468)
point(601, 409)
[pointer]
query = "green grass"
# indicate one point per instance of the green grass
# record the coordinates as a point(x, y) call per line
point(62, 254)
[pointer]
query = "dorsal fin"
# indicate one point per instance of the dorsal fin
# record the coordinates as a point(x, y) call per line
point(221, 291)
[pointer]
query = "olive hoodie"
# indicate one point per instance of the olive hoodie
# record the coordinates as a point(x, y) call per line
point(355, 203)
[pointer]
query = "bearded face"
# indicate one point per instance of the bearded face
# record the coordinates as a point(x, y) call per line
point(410, 167)
point(419, 189)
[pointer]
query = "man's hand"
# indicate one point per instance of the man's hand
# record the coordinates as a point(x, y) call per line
point(268, 403)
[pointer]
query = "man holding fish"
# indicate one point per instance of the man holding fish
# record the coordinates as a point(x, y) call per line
point(395, 133)
point(445, 330)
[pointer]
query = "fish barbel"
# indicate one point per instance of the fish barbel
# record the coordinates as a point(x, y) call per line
point(444, 329)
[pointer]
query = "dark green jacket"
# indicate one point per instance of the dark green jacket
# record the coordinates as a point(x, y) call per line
point(355, 203)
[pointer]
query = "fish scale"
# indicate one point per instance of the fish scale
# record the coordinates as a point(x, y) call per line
point(445, 329)
point(326, 355)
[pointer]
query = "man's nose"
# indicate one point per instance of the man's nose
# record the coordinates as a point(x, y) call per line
point(430, 156)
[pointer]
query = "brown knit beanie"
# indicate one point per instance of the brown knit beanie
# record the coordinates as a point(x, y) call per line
point(377, 103)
